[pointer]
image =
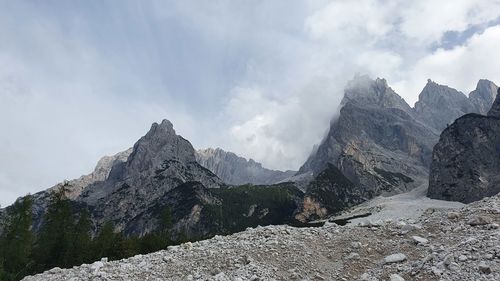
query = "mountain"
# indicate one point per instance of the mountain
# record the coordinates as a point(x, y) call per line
point(377, 145)
point(466, 160)
point(236, 170)
point(380, 143)
point(132, 190)
point(439, 105)
point(132, 187)
point(376, 142)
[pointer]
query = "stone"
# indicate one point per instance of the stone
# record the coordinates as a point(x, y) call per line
point(479, 220)
point(484, 268)
point(353, 256)
point(355, 245)
point(96, 266)
point(394, 258)
point(419, 240)
point(453, 215)
point(396, 277)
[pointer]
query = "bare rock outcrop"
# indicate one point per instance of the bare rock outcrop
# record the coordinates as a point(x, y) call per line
point(466, 160)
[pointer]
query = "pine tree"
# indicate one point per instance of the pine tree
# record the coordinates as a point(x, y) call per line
point(54, 246)
point(82, 239)
point(17, 240)
point(165, 228)
point(103, 243)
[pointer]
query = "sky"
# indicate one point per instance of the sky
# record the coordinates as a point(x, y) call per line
point(84, 79)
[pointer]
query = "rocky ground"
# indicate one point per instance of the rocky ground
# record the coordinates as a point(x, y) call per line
point(459, 244)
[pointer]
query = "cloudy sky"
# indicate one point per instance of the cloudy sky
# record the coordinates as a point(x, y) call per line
point(83, 79)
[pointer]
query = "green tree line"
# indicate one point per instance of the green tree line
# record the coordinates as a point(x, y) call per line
point(65, 239)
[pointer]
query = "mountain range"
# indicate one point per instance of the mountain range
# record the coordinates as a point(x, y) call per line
point(377, 145)
point(382, 144)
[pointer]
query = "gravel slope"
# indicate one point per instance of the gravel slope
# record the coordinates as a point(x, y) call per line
point(409, 205)
point(463, 244)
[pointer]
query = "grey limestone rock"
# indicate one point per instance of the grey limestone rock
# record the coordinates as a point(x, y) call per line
point(233, 169)
point(466, 160)
point(376, 142)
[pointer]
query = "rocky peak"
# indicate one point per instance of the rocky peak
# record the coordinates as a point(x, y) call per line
point(495, 108)
point(484, 95)
point(434, 92)
point(439, 105)
point(161, 143)
point(367, 91)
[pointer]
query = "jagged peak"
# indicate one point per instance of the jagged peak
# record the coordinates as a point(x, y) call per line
point(433, 91)
point(159, 144)
point(485, 90)
point(485, 83)
point(373, 92)
point(164, 126)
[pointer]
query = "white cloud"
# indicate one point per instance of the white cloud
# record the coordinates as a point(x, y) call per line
point(460, 67)
point(280, 132)
point(351, 19)
point(426, 21)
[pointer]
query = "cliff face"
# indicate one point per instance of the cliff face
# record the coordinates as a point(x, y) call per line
point(466, 160)
point(236, 170)
point(376, 142)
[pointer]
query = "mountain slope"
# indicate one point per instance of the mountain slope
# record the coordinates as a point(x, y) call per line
point(236, 170)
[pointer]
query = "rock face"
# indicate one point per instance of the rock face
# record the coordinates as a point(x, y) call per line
point(236, 170)
point(383, 145)
point(440, 105)
point(375, 142)
point(483, 96)
point(466, 160)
